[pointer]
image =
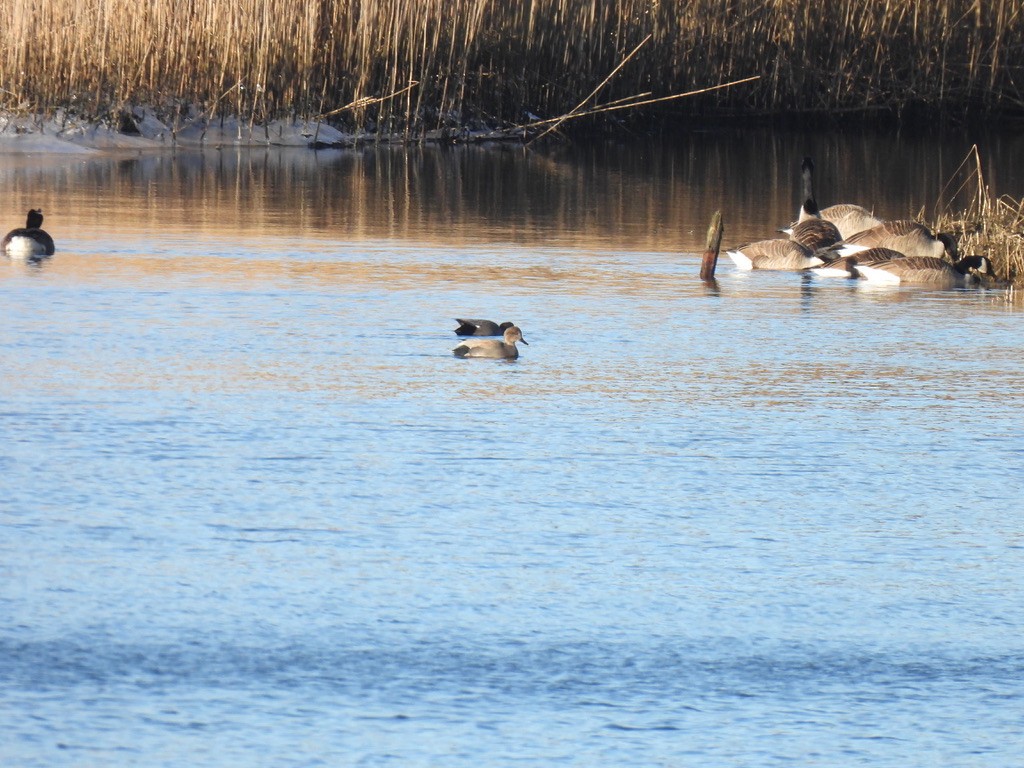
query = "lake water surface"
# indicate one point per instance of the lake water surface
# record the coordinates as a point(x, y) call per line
point(255, 513)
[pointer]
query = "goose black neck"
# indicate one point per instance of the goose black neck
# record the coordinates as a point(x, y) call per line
point(806, 172)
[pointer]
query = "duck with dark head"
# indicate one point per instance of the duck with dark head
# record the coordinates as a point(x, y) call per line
point(30, 241)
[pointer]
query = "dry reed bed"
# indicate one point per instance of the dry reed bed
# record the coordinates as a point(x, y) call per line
point(989, 226)
point(992, 227)
point(492, 60)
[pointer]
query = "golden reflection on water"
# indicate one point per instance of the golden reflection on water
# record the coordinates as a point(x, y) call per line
point(648, 195)
point(331, 268)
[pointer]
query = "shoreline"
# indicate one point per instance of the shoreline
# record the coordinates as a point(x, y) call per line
point(141, 130)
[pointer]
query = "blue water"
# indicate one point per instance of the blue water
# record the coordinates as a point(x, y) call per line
point(254, 512)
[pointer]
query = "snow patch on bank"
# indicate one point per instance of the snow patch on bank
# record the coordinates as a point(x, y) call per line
point(65, 134)
point(141, 129)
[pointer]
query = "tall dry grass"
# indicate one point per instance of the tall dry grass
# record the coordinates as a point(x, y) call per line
point(989, 225)
point(492, 59)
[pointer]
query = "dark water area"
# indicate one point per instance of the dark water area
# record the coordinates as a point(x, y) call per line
point(254, 512)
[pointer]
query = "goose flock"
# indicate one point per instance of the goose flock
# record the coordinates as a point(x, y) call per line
point(848, 240)
point(844, 240)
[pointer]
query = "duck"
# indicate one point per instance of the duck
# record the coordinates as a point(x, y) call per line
point(774, 254)
point(471, 327)
point(29, 241)
point(505, 348)
point(814, 233)
point(904, 235)
point(925, 270)
point(848, 218)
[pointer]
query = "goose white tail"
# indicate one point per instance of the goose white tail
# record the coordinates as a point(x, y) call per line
point(741, 260)
point(846, 249)
point(876, 276)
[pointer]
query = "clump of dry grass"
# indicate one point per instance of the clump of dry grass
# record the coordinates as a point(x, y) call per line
point(989, 226)
point(408, 65)
point(997, 231)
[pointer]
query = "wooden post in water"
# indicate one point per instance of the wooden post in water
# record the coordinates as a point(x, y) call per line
point(710, 260)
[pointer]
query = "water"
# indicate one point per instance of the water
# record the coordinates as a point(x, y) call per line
point(255, 513)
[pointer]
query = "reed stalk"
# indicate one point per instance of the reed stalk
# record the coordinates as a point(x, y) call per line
point(494, 61)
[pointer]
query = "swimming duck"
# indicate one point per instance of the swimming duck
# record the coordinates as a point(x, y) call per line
point(28, 241)
point(774, 254)
point(908, 237)
point(493, 348)
point(472, 327)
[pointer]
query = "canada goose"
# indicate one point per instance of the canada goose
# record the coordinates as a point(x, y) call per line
point(814, 233)
point(28, 241)
point(925, 270)
point(774, 254)
point(493, 348)
point(848, 218)
point(908, 237)
point(844, 266)
point(480, 327)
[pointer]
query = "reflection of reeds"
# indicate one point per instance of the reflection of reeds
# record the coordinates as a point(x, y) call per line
point(493, 60)
point(989, 226)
